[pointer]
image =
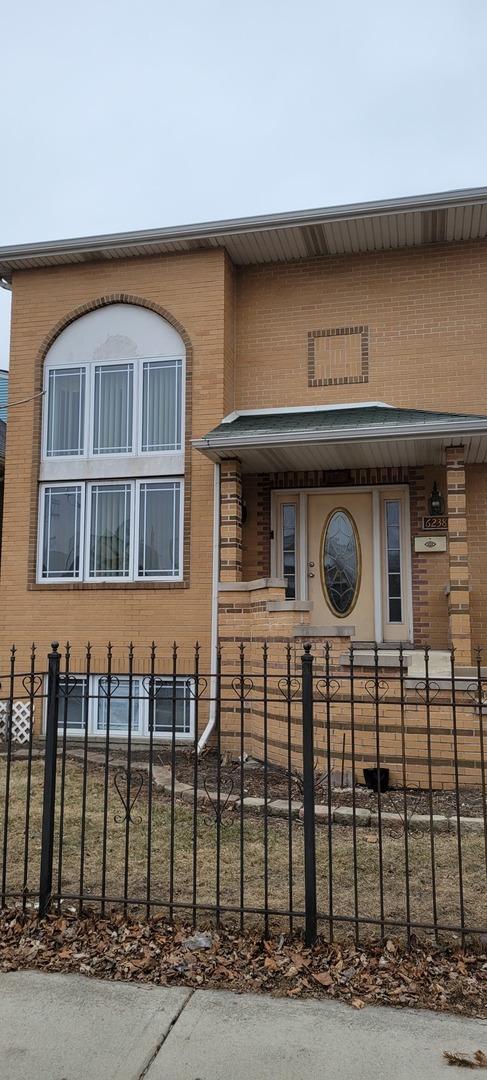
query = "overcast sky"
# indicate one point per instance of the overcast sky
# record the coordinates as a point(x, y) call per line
point(122, 115)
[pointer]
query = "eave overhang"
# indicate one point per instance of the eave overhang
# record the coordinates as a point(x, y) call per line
point(380, 225)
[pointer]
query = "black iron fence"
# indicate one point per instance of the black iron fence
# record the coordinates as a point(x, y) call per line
point(325, 792)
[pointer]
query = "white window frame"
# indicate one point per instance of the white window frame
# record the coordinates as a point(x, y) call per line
point(138, 484)
point(40, 535)
point(279, 499)
point(93, 578)
point(143, 697)
point(81, 368)
point(78, 731)
point(100, 454)
point(88, 426)
point(387, 500)
point(178, 363)
point(85, 532)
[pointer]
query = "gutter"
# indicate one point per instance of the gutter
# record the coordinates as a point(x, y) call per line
point(214, 230)
point(214, 610)
point(340, 435)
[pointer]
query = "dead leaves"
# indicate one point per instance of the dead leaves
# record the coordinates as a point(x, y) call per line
point(167, 954)
point(323, 978)
point(478, 1061)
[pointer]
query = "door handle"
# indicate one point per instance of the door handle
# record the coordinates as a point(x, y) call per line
point(310, 573)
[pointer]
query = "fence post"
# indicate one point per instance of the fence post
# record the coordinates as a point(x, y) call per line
point(308, 798)
point(49, 797)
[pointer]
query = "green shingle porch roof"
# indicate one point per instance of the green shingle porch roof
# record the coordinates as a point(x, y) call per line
point(310, 437)
point(333, 420)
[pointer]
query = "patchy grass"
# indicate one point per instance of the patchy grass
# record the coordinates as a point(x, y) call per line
point(127, 851)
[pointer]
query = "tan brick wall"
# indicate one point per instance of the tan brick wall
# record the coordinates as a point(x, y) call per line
point(477, 547)
point(230, 315)
point(426, 313)
point(245, 619)
point(191, 289)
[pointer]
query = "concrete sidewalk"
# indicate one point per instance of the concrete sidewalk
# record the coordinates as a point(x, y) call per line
point(68, 1027)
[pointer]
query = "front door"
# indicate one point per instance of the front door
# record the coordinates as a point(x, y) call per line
point(341, 561)
point(348, 552)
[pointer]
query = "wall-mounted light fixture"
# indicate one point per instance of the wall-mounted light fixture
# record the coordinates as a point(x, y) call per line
point(436, 502)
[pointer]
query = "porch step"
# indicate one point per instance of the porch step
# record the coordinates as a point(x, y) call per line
point(366, 658)
point(324, 631)
point(413, 660)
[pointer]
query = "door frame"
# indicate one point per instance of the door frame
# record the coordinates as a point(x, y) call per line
point(301, 495)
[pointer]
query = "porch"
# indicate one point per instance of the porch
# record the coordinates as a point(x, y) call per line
point(350, 523)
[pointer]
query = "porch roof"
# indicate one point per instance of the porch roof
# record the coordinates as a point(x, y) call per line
point(370, 434)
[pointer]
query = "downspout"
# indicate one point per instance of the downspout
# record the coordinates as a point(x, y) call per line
point(214, 609)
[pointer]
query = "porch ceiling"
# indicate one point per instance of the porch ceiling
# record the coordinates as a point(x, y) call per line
point(362, 436)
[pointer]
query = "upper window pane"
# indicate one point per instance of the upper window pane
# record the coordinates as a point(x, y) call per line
point(65, 411)
point(161, 408)
point(159, 514)
point(61, 539)
point(112, 430)
point(110, 531)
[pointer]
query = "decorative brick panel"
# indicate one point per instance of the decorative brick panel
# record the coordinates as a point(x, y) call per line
point(339, 356)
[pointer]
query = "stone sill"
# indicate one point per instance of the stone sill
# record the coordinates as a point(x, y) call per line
point(289, 605)
point(249, 586)
point(325, 631)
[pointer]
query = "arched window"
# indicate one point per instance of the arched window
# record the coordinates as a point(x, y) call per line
point(113, 449)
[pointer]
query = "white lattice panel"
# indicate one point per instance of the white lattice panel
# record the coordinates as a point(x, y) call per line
point(21, 720)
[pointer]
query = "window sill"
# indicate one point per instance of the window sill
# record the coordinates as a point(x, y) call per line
point(90, 586)
point(112, 466)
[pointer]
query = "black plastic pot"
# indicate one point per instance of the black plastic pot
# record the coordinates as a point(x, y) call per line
point(374, 777)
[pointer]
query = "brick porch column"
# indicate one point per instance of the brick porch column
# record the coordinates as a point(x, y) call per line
point(459, 598)
point(231, 521)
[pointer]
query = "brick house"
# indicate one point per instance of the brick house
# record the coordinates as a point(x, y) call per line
point(269, 427)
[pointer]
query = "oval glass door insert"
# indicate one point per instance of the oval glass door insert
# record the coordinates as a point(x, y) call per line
point(340, 562)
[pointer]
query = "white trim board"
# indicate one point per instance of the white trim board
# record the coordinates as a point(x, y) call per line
point(288, 409)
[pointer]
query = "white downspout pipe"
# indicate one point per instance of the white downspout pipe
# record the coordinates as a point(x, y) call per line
point(214, 609)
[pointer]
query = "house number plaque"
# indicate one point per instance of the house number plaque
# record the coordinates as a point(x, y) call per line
point(436, 522)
